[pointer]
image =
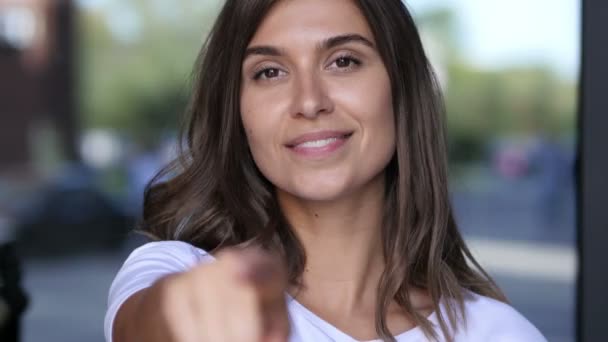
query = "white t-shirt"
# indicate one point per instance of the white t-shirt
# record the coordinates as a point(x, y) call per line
point(487, 319)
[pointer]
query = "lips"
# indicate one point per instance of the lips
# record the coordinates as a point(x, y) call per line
point(318, 139)
point(318, 146)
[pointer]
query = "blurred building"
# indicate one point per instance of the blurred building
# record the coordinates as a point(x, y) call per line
point(36, 79)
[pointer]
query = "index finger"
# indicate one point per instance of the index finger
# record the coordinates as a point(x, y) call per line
point(266, 272)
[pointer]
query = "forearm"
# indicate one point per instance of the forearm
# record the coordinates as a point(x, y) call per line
point(140, 317)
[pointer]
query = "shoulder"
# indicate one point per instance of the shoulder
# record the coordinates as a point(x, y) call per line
point(488, 319)
point(153, 260)
point(178, 252)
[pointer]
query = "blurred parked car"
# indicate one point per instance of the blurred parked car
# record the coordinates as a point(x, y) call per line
point(69, 214)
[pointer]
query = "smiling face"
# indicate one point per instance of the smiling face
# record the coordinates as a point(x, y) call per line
point(316, 100)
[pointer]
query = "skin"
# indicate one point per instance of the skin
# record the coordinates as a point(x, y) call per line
point(334, 202)
point(239, 297)
point(309, 89)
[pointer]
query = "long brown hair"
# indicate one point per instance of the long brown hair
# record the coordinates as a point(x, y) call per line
point(214, 196)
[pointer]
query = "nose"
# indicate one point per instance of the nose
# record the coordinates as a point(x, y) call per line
point(310, 97)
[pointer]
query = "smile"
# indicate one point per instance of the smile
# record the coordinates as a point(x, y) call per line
point(319, 144)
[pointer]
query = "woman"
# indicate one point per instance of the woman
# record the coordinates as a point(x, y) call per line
point(311, 200)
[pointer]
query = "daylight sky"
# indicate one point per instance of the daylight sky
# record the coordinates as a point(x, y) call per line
point(495, 33)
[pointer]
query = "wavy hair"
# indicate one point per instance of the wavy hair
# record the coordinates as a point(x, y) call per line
point(214, 196)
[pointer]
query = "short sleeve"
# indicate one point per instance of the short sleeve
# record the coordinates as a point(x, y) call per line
point(144, 266)
point(492, 320)
point(516, 328)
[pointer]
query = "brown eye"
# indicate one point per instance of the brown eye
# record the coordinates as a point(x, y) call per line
point(267, 73)
point(270, 73)
point(343, 62)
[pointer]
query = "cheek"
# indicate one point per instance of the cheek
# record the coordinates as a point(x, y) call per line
point(250, 116)
point(257, 135)
point(378, 121)
point(260, 128)
point(260, 146)
point(382, 138)
point(262, 114)
point(377, 117)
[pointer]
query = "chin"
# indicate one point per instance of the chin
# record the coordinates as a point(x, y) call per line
point(325, 195)
point(319, 189)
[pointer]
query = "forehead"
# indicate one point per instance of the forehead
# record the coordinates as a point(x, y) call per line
point(294, 21)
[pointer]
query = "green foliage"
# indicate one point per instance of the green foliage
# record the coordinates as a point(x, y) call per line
point(486, 105)
point(139, 85)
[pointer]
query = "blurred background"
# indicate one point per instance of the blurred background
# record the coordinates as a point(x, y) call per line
point(91, 92)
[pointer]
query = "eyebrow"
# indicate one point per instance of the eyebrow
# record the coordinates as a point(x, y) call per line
point(344, 39)
point(326, 44)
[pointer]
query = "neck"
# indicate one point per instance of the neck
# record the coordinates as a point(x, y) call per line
point(342, 240)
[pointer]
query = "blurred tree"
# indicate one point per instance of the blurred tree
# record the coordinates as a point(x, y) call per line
point(487, 105)
point(135, 62)
point(136, 58)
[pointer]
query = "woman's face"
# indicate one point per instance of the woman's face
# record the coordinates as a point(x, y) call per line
point(316, 100)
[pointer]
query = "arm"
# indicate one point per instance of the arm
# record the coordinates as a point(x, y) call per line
point(139, 319)
point(137, 291)
point(226, 300)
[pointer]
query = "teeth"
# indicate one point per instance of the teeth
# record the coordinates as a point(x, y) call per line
point(318, 143)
